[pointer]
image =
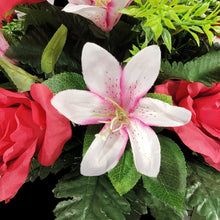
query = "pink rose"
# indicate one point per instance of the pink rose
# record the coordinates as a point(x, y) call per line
point(202, 134)
point(28, 126)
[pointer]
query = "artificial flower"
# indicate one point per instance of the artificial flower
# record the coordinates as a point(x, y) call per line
point(104, 13)
point(202, 133)
point(8, 5)
point(27, 126)
point(3, 47)
point(116, 99)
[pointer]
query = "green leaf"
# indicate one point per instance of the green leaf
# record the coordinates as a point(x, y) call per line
point(162, 97)
point(21, 79)
point(65, 160)
point(208, 33)
point(65, 81)
point(204, 69)
point(166, 36)
point(91, 131)
point(53, 50)
point(169, 186)
point(124, 176)
point(91, 198)
point(203, 190)
point(180, 8)
point(168, 23)
point(138, 202)
point(201, 10)
point(160, 211)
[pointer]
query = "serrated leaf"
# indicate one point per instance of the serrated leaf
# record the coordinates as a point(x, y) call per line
point(169, 186)
point(124, 176)
point(166, 36)
point(204, 69)
point(160, 211)
point(53, 50)
point(65, 81)
point(203, 190)
point(138, 202)
point(92, 198)
point(21, 79)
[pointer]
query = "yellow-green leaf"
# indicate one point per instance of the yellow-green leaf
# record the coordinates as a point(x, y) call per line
point(18, 76)
point(53, 50)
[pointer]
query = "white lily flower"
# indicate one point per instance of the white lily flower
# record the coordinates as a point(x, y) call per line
point(104, 13)
point(116, 99)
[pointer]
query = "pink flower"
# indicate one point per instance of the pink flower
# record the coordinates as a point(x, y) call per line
point(3, 47)
point(116, 99)
point(104, 13)
point(202, 133)
point(28, 126)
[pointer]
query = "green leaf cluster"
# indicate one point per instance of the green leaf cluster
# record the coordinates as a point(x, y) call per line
point(203, 192)
point(204, 69)
point(161, 19)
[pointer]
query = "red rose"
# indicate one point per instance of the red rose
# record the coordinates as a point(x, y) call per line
point(28, 126)
point(202, 133)
point(8, 5)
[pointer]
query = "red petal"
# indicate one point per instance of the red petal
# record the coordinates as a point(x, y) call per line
point(58, 129)
point(16, 174)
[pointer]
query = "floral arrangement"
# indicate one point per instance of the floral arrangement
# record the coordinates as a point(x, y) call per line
point(119, 100)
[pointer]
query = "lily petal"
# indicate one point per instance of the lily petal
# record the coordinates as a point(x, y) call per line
point(81, 106)
point(80, 2)
point(103, 155)
point(113, 11)
point(139, 75)
point(94, 13)
point(101, 71)
point(146, 148)
point(158, 113)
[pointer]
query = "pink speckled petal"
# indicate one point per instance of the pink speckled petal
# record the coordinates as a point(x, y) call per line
point(146, 148)
point(139, 75)
point(94, 13)
point(103, 155)
point(113, 11)
point(157, 113)
point(80, 106)
point(101, 71)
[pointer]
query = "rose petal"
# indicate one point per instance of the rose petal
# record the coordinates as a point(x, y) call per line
point(16, 174)
point(197, 141)
point(157, 113)
point(58, 129)
point(139, 75)
point(146, 148)
point(101, 72)
point(103, 155)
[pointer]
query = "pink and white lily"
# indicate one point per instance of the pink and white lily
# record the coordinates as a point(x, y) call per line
point(104, 13)
point(116, 100)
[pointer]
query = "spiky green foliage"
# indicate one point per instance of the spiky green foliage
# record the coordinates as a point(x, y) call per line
point(161, 19)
